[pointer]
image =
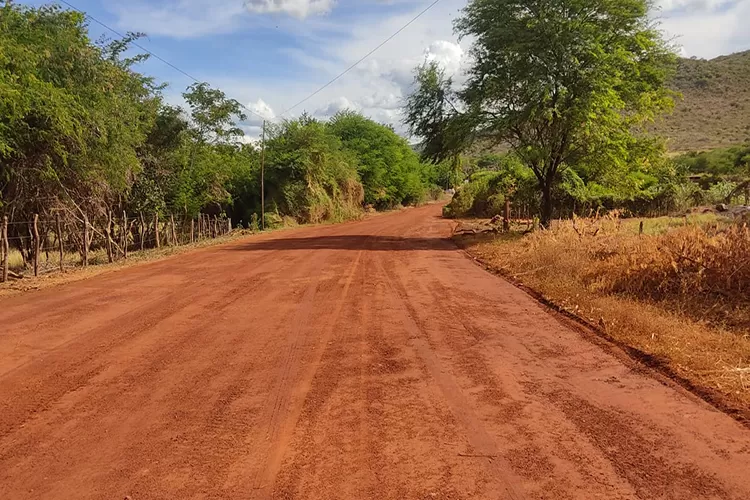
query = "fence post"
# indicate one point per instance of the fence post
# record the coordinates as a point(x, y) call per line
point(156, 229)
point(173, 236)
point(6, 248)
point(36, 244)
point(108, 234)
point(506, 218)
point(216, 226)
point(125, 234)
point(192, 230)
point(85, 240)
point(44, 242)
point(143, 230)
point(60, 240)
point(229, 225)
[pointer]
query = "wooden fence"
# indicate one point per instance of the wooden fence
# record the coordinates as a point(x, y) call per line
point(47, 243)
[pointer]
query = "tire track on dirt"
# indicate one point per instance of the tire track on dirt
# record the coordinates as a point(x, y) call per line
point(482, 443)
point(79, 361)
point(342, 370)
point(333, 368)
point(610, 438)
point(282, 430)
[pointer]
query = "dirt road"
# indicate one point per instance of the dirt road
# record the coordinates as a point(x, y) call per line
point(364, 360)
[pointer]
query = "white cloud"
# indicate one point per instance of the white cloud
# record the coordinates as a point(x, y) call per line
point(179, 19)
point(311, 49)
point(447, 54)
point(296, 8)
point(336, 105)
point(199, 18)
point(709, 34)
point(260, 111)
point(382, 101)
point(693, 5)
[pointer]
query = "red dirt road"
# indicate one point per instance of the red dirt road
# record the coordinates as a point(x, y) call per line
point(364, 360)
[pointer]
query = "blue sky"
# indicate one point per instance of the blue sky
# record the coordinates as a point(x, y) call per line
point(270, 54)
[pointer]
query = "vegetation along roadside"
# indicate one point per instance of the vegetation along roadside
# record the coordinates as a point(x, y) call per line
point(627, 218)
point(85, 135)
point(678, 293)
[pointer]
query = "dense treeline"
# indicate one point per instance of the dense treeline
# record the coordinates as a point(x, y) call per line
point(83, 132)
point(654, 185)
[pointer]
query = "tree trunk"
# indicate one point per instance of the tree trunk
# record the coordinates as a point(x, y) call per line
point(506, 215)
point(108, 235)
point(156, 230)
point(546, 215)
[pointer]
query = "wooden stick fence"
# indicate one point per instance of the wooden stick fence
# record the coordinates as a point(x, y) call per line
point(116, 237)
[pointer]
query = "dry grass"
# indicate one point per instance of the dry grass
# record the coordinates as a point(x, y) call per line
point(680, 293)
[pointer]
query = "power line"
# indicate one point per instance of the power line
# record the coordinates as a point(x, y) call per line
point(155, 56)
point(347, 70)
point(331, 82)
point(133, 43)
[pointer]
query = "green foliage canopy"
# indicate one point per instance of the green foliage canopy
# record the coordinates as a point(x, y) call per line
point(83, 132)
point(563, 82)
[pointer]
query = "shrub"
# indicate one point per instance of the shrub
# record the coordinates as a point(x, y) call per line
point(484, 194)
point(702, 271)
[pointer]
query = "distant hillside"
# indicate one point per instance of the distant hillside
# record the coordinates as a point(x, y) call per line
point(715, 109)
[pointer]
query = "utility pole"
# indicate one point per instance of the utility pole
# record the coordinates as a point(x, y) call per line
point(262, 179)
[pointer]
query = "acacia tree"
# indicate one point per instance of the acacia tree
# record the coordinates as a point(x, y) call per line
point(563, 82)
point(214, 136)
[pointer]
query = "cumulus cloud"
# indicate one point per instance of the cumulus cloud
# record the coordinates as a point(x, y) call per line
point(447, 54)
point(694, 5)
point(309, 49)
point(336, 105)
point(296, 8)
point(178, 19)
point(382, 101)
point(400, 71)
point(260, 111)
point(710, 33)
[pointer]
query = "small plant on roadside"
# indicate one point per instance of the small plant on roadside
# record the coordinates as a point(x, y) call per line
point(254, 224)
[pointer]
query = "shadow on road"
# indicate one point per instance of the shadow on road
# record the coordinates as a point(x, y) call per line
point(348, 242)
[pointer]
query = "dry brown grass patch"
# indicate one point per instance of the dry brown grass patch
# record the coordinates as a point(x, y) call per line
point(680, 294)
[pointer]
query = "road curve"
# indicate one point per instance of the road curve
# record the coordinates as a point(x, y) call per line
point(364, 360)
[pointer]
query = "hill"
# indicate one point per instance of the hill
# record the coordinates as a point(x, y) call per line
point(715, 108)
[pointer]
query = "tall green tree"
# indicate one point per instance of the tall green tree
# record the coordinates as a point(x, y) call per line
point(562, 82)
point(214, 143)
point(72, 113)
point(389, 169)
point(214, 115)
point(309, 176)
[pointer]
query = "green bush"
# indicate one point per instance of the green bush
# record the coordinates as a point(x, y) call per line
point(483, 194)
point(390, 170)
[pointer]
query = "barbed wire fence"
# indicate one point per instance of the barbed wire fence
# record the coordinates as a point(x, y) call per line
point(55, 243)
